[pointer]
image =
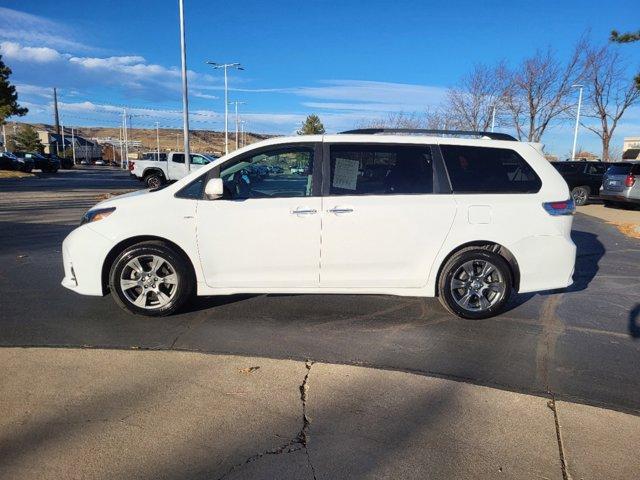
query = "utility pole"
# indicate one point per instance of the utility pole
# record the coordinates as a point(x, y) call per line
point(73, 144)
point(158, 139)
point(225, 66)
point(185, 95)
point(4, 137)
point(242, 131)
point(55, 110)
point(575, 132)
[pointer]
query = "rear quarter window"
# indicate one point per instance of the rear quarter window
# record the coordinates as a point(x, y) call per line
point(488, 170)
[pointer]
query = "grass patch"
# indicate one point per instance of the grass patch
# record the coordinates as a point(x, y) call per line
point(14, 174)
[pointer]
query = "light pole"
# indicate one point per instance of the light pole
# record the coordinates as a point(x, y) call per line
point(158, 140)
point(575, 132)
point(226, 66)
point(185, 95)
point(493, 117)
point(236, 103)
point(73, 144)
point(126, 138)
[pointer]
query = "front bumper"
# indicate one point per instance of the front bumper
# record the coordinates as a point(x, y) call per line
point(83, 254)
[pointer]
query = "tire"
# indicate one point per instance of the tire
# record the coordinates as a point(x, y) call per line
point(494, 287)
point(580, 195)
point(143, 291)
point(155, 180)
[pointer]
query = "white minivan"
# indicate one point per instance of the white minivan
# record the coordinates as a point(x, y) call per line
point(373, 211)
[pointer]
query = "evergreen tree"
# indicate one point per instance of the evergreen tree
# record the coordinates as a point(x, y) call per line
point(8, 95)
point(628, 37)
point(311, 126)
point(27, 140)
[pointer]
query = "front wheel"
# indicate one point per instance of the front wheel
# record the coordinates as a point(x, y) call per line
point(580, 195)
point(475, 283)
point(151, 279)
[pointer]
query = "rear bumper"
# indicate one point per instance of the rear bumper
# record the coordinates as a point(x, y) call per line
point(624, 195)
point(546, 262)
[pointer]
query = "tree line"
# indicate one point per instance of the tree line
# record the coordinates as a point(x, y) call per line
point(536, 93)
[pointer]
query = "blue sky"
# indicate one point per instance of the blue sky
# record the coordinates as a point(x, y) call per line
point(347, 61)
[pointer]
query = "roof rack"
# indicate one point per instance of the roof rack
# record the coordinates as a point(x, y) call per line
point(457, 133)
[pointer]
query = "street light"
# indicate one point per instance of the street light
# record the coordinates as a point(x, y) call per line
point(225, 66)
point(575, 133)
point(236, 103)
point(185, 95)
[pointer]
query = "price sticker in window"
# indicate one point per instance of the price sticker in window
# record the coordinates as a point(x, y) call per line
point(345, 174)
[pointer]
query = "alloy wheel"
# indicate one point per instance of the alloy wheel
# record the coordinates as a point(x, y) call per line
point(477, 285)
point(149, 281)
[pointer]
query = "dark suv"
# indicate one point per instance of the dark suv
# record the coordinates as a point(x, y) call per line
point(584, 178)
point(48, 165)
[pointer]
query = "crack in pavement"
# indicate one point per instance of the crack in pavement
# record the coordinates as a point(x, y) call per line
point(294, 445)
point(563, 456)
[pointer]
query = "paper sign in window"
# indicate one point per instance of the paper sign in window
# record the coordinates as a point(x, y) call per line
point(345, 174)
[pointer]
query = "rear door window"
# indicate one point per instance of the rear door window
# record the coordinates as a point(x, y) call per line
point(381, 169)
point(488, 170)
point(595, 169)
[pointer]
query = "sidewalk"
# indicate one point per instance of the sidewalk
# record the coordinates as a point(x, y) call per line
point(111, 414)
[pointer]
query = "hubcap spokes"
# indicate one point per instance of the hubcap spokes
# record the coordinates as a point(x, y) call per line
point(477, 285)
point(149, 281)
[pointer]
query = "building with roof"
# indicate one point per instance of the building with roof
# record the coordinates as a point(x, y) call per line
point(631, 148)
point(57, 143)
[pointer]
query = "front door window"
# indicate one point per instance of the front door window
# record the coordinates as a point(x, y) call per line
point(272, 174)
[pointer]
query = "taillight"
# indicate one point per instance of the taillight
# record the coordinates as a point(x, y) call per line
point(629, 181)
point(131, 164)
point(563, 207)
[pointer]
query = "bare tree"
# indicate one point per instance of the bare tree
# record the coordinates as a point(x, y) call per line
point(539, 89)
point(471, 103)
point(610, 92)
point(395, 120)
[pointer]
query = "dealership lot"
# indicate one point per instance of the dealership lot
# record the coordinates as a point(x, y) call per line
point(580, 345)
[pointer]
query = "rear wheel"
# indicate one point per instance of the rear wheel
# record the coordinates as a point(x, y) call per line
point(150, 279)
point(475, 283)
point(580, 195)
point(155, 180)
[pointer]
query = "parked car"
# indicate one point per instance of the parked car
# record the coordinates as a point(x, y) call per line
point(8, 161)
point(65, 162)
point(157, 173)
point(583, 178)
point(40, 162)
point(99, 162)
point(621, 184)
point(467, 220)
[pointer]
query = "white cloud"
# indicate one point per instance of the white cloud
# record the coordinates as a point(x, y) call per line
point(34, 90)
point(17, 52)
point(32, 30)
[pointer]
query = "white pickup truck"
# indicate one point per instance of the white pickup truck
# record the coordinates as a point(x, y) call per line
point(156, 173)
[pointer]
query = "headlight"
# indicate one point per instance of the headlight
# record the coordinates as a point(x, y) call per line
point(95, 215)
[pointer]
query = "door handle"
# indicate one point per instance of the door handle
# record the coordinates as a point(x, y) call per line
point(340, 210)
point(304, 211)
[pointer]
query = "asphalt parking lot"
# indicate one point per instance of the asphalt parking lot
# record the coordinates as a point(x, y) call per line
point(581, 345)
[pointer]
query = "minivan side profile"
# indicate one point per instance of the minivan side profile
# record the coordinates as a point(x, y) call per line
point(365, 212)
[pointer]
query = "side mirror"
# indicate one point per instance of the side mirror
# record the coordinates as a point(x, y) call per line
point(214, 188)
